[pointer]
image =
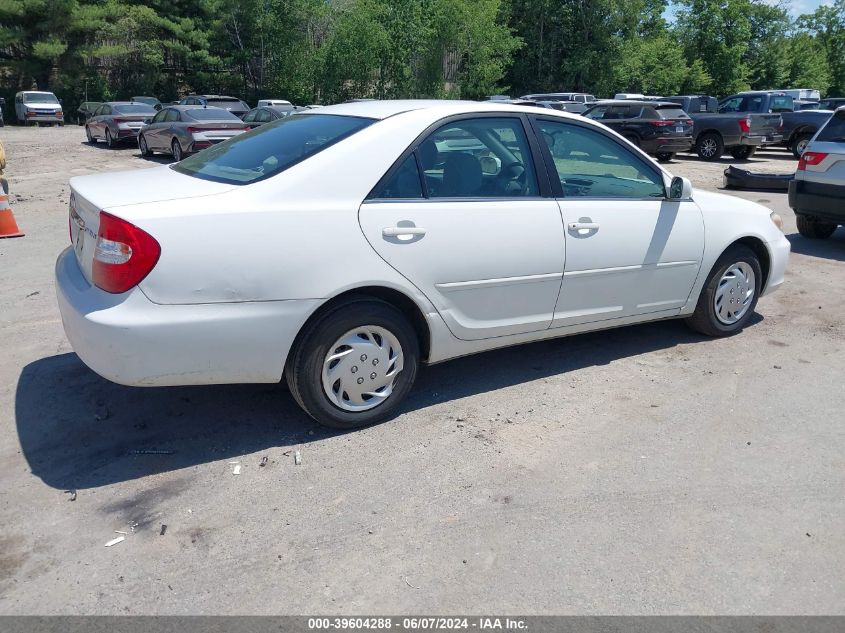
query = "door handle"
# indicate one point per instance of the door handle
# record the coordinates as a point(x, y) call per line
point(590, 226)
point(398, 231)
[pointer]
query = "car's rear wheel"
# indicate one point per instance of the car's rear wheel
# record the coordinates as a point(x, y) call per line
point(815, 229)
point(730, 294)
point(710, 146)
point(89, 136)
point(176, 150)
point(665, 157)
point(353, 365)
point(799, 144)
point(743, 152)
point(109, 140)
point(142, 145)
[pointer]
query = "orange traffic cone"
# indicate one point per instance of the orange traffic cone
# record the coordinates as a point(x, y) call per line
point(8, 226)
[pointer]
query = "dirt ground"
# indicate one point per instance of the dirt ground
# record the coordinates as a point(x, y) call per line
point(644, 470)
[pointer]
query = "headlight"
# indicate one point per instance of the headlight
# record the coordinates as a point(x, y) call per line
point(778, 221)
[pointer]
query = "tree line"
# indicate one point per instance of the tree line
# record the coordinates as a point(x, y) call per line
point(324, 51)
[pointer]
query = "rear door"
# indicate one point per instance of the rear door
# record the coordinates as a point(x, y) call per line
point(461, 215)
point(629, 251)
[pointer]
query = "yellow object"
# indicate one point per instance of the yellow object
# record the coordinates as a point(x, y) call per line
point(2, 158)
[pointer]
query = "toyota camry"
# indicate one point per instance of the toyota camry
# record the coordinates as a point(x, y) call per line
point(341, 248)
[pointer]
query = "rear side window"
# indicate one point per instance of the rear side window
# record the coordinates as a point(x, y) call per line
point(403, 184)
point(834, 131)
point(271, 148)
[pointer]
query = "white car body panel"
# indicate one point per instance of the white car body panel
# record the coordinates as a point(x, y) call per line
point(243, 267)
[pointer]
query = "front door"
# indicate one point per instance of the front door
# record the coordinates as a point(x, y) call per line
point(629, 250)
point(461, 217)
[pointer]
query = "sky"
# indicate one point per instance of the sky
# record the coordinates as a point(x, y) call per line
point(796, 7)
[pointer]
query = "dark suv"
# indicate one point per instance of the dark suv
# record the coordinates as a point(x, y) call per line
point(660, 128)
point(232, 104)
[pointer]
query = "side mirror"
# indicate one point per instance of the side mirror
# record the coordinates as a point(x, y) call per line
point(680, 189)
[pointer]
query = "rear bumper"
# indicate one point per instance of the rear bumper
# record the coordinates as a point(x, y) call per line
point(752, 140)
point(819, 199)
point(132, 341)
point(772, 139)
point(666, 144)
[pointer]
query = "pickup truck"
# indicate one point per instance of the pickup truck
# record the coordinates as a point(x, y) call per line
point(800, 126)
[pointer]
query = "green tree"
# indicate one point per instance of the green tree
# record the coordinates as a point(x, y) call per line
point(827, 26)
point(807, 65)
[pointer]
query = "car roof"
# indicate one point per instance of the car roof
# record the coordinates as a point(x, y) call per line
point(119, 103)
point(35, 92)
point(390, 107)
point(639, 102)
point(182, 108)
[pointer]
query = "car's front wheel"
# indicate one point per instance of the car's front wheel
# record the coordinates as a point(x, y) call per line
point(176, 150)
point(730, 294)
point(808, 226)
point(353, 365)
point(90, 136)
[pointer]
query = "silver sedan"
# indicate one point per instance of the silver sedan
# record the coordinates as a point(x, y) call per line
point(117, 121)
point(185, 129)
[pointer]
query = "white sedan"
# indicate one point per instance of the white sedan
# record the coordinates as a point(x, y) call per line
point(341, 247)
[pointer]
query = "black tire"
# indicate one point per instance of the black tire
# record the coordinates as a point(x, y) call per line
point(710, 146)
point(89, 136)
point(665, 157)
point(799, 144)
point(142, 145)
point(176, 150)
point(814, 229)
point(304, 368)
point(632, 138)
point(109, 140)
point(743, 152)
point(704, 319)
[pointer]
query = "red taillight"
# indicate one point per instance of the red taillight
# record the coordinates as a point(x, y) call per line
point(124, 254)
point(119, 120)
point(810, 158)
point(661, 123)
point(745, 124)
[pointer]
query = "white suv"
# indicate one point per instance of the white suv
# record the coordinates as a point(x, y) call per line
point(817, 194)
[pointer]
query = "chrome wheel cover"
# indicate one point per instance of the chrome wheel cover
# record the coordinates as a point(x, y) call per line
point(360, 368)
point(734, 293)
point(802, 145)
point(708, 147)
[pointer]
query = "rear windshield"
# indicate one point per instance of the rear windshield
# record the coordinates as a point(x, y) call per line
point(226, 103)
point(135, 108)
point(40, 98)
point(783, 103)
point(211, 114)
point(271, 148)
point(148, 100)
point(834, 131)
point(671, 113)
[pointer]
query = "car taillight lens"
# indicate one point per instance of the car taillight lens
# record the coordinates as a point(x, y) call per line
point(124, 254)
point(811, 159)
point(661, 123)
point(119, 120)
point(745, 125)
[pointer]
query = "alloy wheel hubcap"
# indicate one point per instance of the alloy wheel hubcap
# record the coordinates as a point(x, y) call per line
point(734, 293)
point(802, 145)
point(708, 147)
point(360, 368)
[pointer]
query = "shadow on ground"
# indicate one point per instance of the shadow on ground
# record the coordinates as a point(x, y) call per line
point(831, 248)
point(79, 431)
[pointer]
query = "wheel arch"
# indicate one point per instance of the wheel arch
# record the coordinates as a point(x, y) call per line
point(396, 298)
point(761, 250)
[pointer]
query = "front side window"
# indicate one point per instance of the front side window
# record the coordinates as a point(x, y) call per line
point(172, 115)
point(159, 117)
point(596, 113)
point(270, 149)
point(730, 105)
point(404, 183)
point(249, 117)
point(590, 164)
point(479, 158)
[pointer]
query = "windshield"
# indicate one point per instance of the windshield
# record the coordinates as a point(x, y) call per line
point(40, 98)
point(211, 114)
point(226, 103)
point(834, 131)
point(271, 148)
point(148, 100)
point(135, 108)
point(671, 113)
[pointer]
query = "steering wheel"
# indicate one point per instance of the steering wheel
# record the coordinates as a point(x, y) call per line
point(511, 177)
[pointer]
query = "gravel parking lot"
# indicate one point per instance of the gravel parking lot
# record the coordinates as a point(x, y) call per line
point(644, 470)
